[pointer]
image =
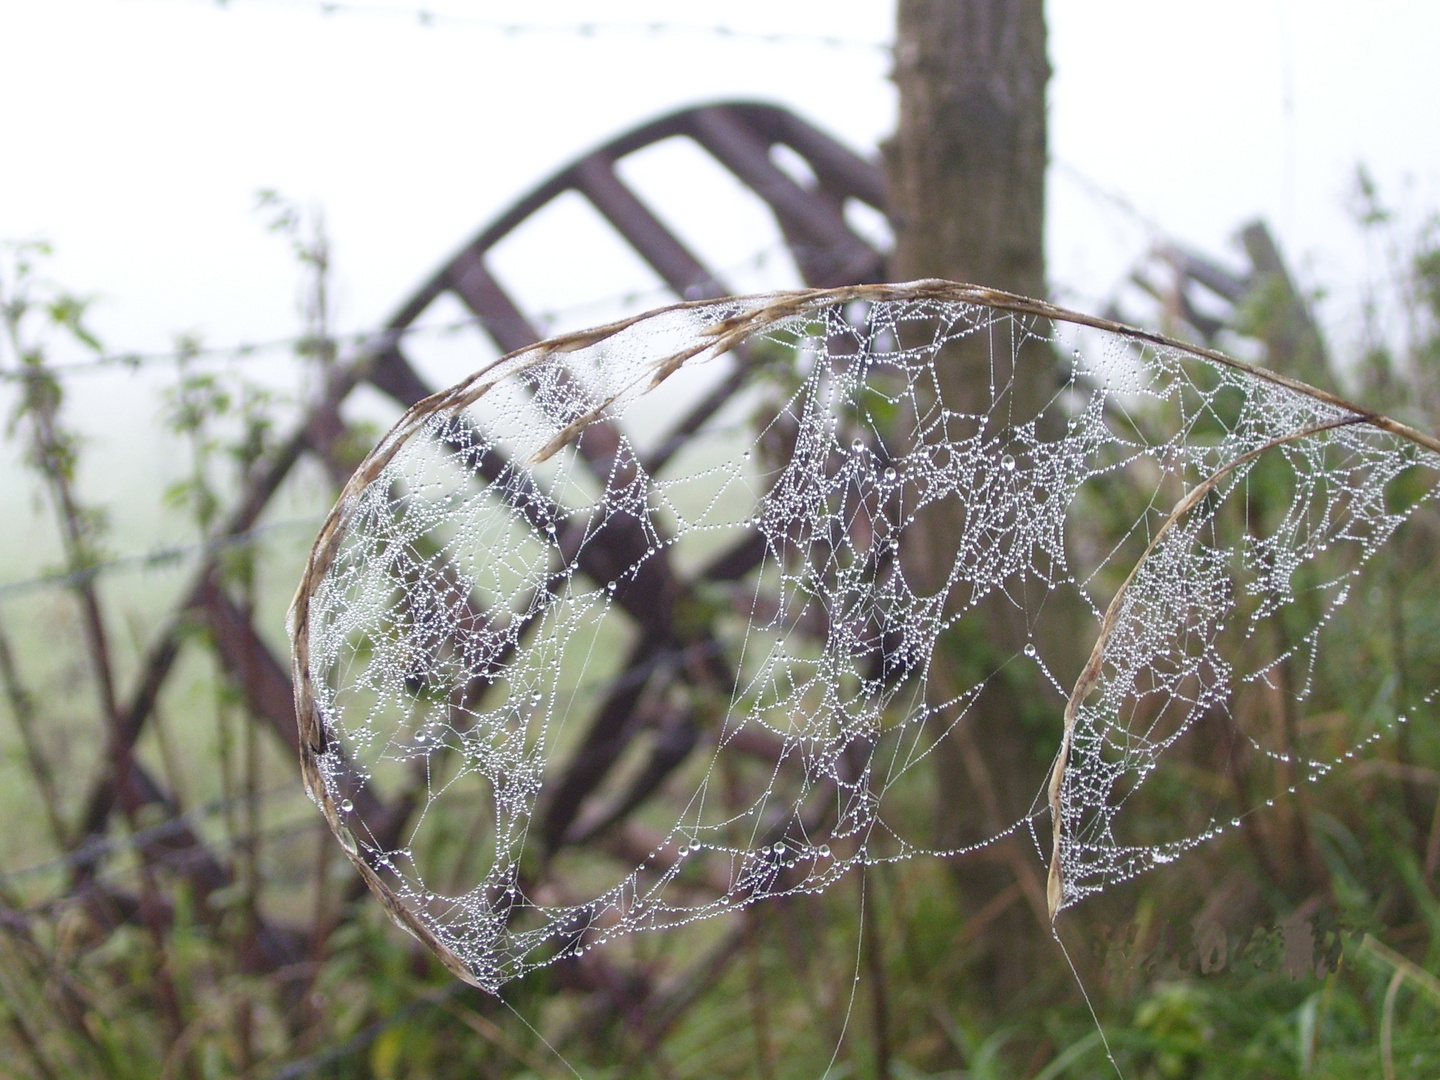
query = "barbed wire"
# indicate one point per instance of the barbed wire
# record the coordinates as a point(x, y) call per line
point(545, 320)
point(436, 17)
point(172, 556)
point(166, 556)
point(245, 350)
point(1099, 192)
point(99, 847)
point(135, 360)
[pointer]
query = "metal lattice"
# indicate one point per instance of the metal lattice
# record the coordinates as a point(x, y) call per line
point(740, 137)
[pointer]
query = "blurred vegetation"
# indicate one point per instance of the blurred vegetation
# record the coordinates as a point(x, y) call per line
point(1304, 944)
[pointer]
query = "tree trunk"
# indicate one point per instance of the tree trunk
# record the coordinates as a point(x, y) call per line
point(966, 177)
point(967, 163)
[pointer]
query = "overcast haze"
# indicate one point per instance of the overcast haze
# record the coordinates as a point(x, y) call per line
point(138, 132)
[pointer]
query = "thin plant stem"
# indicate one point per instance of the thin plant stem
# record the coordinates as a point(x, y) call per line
point(759, 1006)
point(22, 705)
point(875, 965)
point(1387, 1025)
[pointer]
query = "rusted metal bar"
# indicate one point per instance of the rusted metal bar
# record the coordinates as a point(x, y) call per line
point(1215, 278)
point(265, 684)
point(600, 443)
point(842, 174)
point(325, 432)
point(830, 253)
point(677, 732)
point(595, 178)
point(608, 736)
point(393, 374)
point(482, 294)
point(837, 167)
point(264, 481)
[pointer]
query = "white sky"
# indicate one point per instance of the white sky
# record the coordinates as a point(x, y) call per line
point(138, 131)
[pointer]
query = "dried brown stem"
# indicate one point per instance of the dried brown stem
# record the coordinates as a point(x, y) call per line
point(1090, 675)
point(727, 335)
point(22, 704)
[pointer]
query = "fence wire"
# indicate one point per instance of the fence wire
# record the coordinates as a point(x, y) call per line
point(545, 319)
point(652, 29)
point(160, 557)
point(100, 847)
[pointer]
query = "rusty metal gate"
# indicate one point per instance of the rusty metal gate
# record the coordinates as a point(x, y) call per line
point(827, 250)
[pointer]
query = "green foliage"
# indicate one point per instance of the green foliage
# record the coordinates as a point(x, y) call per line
point(310, 245)
point(37, 316)
point(226, 419)
point(810, 988)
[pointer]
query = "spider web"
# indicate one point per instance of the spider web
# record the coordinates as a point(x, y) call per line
point(528, 584)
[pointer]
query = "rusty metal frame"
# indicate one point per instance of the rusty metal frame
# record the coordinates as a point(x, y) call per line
point(740, 137)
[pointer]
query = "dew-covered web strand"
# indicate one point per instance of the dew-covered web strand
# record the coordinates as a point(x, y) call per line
point(854, 985)
point(536, 1032)
point(1089, 1004)
point(454, 631)
point(1091, 675)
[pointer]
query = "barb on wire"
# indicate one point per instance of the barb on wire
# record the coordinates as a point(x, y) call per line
point(548, 319)
point(309, 823)
point(433, 17)
point(167, 556)
point(1114, 198)
point(98, 847)
point(244, 350)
